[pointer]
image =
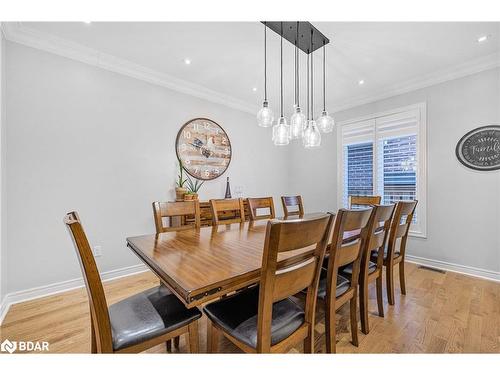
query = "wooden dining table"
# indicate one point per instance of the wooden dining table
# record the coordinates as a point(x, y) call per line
point(199, 265)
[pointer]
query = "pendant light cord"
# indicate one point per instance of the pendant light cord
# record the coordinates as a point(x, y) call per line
point(312, 78)
point(265, 62)
point(281, 49)
point(308, 85)
point(297, 63)
point(324, 77)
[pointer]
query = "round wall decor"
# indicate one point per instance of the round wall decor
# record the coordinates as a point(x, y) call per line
point(479, 149)
point(204, 148)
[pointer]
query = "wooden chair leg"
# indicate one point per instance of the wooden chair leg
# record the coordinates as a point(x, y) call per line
point(309, 341)
point(93, 342)
point(390, 284)
point(212, 338)
point(363, 307)
point(402, 277)
point(169, 345)
point(177, 342)
point(330, 329)
point(380, 300)
point(354, 320)
point(193, 337)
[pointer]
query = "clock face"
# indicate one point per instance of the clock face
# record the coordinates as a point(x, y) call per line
point(204, 149)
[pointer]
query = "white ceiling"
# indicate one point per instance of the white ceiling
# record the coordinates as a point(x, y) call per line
point(228, 57)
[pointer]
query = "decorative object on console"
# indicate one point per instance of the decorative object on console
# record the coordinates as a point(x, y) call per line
point(204, 149)
point(304, 36)
point(193, 188)
point(180, 190)
point(479, 149)
point(228, 190)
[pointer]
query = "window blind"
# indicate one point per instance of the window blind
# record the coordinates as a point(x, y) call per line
point(358, 170)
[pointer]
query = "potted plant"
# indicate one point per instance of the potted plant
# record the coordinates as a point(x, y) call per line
point(193, 188)
point(180, 190)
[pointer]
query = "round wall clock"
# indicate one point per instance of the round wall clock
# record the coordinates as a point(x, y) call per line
point(204, 149)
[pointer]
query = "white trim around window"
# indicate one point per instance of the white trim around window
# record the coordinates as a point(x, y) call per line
point(391, 122)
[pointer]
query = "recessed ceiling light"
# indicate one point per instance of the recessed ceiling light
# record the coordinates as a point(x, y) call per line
point(187, 61)
point(361, 82)
point(87, 22)
point(482, 39)
point(254, 89)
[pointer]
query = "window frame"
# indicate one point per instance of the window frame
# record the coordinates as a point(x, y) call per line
point(419, 230)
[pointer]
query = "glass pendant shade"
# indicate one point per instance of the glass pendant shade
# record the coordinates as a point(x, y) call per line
point(312, 136)
point(265, 116)
point(281, 133)
point(297, 123)
point(325, 122)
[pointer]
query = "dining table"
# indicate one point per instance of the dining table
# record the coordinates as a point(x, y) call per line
point(202, 264)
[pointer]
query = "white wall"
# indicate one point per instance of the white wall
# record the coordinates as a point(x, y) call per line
point(463, 205)
point(87, 139)
point(2, 160)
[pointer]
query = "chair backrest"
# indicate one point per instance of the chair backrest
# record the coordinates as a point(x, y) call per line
point(278, 283)
point(170, 210)
point(359, 200)
point(98, 307)
point(292, 201)
point(235, 205)
point(347, 247)
point(401, 221)
point(261, 203)
point(378, 232)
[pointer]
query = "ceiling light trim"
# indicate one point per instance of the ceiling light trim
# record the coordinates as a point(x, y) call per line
point(18, 33)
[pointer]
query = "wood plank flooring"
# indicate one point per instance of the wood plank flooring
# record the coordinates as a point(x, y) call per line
point(441, 313)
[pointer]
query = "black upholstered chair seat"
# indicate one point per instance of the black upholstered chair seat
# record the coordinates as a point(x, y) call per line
point(347, 270)
point(146, 315)
point(374, 255)
point(237, 315)
point(342, 285)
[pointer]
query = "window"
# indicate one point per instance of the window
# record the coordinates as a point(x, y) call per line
point(385, 155)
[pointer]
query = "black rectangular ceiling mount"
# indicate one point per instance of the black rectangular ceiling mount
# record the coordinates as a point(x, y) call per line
point(304, 34)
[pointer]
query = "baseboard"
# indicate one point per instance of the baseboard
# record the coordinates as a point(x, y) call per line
point(64, 286)
point(453, 267)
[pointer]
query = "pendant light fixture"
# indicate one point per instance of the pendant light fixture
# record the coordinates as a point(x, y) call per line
point(265, 116)
point(325, 121)
point(298, 119)
point(312, 136)
point(281, 131)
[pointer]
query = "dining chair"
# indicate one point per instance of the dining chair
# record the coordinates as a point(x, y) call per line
point(136, 323)
point(396, 248)
point(366, 200)
point(263, 319)
point(255, 204)
point(379, 225)
point(334, 289)
point(292, 201)
point(180, 210)
point(223, 205)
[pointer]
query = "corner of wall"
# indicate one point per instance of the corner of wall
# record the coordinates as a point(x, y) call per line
point(2, 164)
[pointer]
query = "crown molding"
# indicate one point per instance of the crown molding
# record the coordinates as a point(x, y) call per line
point(458, 71)
point(18, 33)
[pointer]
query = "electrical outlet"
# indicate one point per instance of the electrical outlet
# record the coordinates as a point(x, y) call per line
point(97, 251)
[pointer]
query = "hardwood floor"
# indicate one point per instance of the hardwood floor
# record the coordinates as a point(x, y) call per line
point(441, 313)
